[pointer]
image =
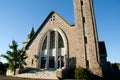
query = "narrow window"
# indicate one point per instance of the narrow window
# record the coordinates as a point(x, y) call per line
point(52, 40)
point(60, 41)
point(81, 2)
point(87, 63)
point(85, 40)
point(44, 44)
point(83, 19)
point(51, 62)
point(43, 62)
point(32, 62)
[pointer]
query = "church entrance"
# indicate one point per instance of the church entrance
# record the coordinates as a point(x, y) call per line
point(51, 62)
point(52, 55)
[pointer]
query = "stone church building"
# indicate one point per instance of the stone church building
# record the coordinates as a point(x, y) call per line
point(58, 45)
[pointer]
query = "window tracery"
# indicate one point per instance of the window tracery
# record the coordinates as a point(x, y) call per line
point(49, 48)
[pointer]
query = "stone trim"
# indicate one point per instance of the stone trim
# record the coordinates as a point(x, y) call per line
point(47, 33)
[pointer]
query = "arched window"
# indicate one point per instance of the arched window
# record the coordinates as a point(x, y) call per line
point(52, 52)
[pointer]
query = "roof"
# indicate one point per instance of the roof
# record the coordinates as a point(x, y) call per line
point(102, 47)
point(41, 26)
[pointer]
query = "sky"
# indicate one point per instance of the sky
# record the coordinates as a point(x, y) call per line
point(17, 17)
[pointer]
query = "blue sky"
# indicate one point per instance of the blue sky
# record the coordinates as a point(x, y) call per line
point(17, 17)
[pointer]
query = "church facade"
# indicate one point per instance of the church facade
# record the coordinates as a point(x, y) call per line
point(58, 45)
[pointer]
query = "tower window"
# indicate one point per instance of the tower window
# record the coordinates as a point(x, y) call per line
point(85, 39)
point(81, 2)
point(83, 19)
point(87, 63)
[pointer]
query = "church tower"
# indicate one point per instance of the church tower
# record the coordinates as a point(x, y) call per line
point(88, 38)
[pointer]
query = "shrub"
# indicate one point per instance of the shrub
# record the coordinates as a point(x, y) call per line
point(81, 73)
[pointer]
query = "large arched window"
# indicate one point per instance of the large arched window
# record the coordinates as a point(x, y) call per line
point(52, 53)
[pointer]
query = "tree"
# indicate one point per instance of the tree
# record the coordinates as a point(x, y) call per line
point(22, 57)
point(115, 67)
point(15, 56)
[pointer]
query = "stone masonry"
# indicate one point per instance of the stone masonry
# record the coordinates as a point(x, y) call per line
point(80, 40)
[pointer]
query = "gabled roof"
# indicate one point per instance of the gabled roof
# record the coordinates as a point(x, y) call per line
point(41, 26)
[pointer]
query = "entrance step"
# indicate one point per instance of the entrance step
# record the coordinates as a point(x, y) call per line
point(44, 74)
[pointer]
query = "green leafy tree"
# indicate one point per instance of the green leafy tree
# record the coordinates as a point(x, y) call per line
point(15, 57)
point(22, 58)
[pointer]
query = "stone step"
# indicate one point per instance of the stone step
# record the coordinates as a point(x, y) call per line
point(39, 75)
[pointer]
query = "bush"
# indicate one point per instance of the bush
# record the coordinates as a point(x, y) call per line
point(115, 67)
point(81, 73)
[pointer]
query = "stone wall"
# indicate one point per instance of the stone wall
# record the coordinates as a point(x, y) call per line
point(81, 39)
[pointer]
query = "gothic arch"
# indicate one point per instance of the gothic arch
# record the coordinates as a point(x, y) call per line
point(65, 41)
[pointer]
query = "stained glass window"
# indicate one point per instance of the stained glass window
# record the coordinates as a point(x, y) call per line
point(60, 41)
point(44, 44)
point(52, 40)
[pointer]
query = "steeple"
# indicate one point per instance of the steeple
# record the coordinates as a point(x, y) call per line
point(31, 33)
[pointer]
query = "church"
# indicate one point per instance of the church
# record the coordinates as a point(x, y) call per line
point(58, 45)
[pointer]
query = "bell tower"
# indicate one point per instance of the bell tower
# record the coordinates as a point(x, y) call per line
point(85, 21)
